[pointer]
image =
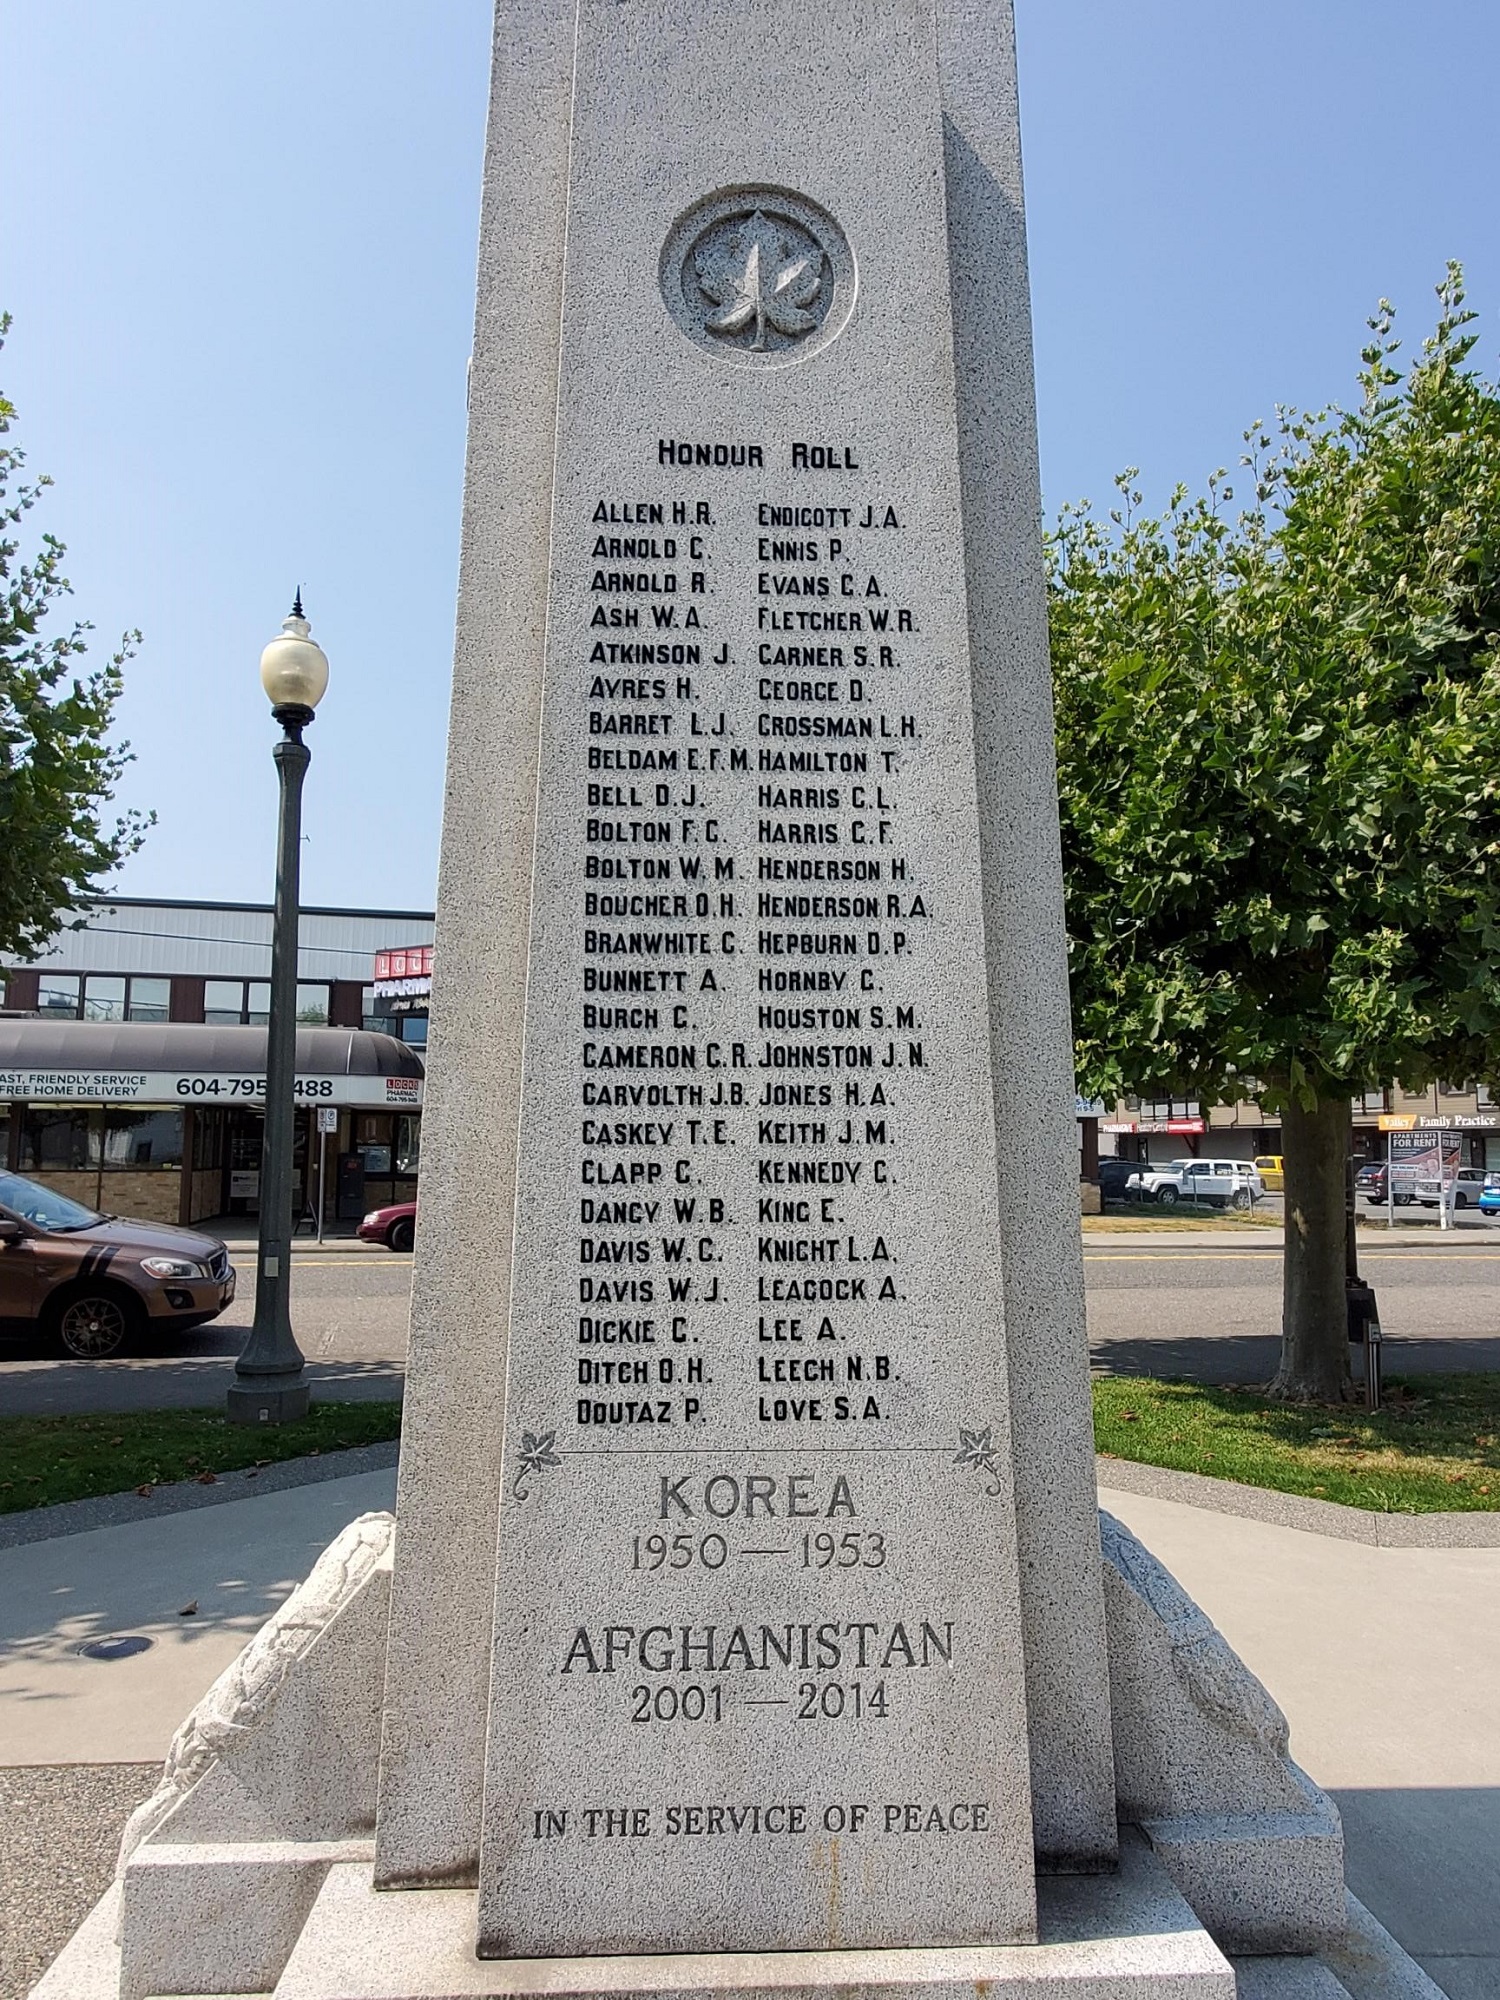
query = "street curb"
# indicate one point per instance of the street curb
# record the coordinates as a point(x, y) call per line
point(245, 1253)
point(113, 1510)
point(1380, 1245)
point(1294, 1510)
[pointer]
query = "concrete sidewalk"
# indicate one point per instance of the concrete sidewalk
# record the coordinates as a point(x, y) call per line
point(235, 1562)
point(1384, 1660)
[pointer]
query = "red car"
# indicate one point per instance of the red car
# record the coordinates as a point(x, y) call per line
point(395, 1227)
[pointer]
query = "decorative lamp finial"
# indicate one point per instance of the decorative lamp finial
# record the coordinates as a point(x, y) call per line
point(294, 668)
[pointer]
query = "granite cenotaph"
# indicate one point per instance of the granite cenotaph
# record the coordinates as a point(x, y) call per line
point(744, 1623)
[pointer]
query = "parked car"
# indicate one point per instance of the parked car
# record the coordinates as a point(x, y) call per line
point(1370, 1182)
point(96, 1282)
point(1464, 1188)
point(395, 1227)
point(1219, 1183)
point(1489, 1196)
point(1114, 1178)
point(1269, 1167)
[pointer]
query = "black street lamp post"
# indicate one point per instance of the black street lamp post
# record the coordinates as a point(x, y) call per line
point(269, 1387)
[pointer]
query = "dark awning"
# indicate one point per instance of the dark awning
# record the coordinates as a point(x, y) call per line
point(193, 1046)
point(186, 1062)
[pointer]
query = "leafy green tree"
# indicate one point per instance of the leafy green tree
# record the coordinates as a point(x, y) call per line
point(58, 768)
point(1279, 748)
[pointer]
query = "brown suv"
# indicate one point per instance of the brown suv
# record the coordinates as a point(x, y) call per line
point(95, 1281)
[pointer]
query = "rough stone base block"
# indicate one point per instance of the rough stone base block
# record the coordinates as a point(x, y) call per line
point(1123, 1937)
point(1202, 1764)
point(1260, 1882)
point(1283, 1978)
point(217, 1917)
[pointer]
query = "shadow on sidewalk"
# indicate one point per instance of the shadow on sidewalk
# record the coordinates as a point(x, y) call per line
point(1426, 1861)
point(142, 1382)
point(1250, 1359)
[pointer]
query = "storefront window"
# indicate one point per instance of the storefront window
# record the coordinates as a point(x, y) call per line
point(414, 1030)
point(103, 998)
point(136, 1139)
point(150, 1000)
point(408, 1145)
point(312, 1005)
point(54, 1141)
point(372, 1142)
point(229, 1003)
point(223, 1002)
point(58, 993)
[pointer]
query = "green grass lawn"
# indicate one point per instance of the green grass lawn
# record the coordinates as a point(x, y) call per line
point(1183, 1215)
point(47, 1459)
point(1435, 1448)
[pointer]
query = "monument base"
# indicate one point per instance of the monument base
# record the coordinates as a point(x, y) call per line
point(1125, 1936)
point(250, 1871)
point(1068, 1964)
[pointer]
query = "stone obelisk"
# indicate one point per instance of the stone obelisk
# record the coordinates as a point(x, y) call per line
point(752, 471)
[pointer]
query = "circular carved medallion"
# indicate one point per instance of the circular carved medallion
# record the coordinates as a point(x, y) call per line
point(759, 276)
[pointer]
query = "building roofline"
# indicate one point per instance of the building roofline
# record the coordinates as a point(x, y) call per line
point(100, 1048)
point(259, 909)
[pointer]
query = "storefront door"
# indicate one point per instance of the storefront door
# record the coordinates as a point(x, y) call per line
point(242, 1163)
point(247, 1138)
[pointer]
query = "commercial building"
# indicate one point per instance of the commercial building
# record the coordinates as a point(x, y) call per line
point(72, 1113)
point(132, 1054)
point(1156, 1129)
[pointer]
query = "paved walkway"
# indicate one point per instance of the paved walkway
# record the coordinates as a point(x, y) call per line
point(1384, 1660)
point(235, 1563)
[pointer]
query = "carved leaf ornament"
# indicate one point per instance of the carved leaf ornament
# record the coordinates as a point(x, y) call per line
point(758, 277)
point(536, 1454)
point(978, 1448)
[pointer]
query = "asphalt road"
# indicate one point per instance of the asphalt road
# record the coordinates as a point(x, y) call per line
point(348, 1312)
point(1210, 1312)
point(1213, 1313)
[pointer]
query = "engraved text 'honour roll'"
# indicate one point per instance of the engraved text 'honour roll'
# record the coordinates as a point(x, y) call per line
point(759, 276)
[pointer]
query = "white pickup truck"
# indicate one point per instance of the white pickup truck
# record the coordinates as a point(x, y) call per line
point(1219, 1183)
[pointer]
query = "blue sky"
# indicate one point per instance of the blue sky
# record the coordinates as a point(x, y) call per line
point(239, 243)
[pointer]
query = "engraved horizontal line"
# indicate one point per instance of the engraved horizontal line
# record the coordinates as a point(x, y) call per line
point(765, 1552)
point(760, 1450)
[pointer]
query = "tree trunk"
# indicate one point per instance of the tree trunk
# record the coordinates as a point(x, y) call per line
point(1314, 1366)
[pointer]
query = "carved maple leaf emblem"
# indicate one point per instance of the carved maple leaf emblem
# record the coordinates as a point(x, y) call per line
point(536, 1454)
point(536, 1451)
point(978, 1448)
point(758, 277)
